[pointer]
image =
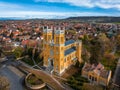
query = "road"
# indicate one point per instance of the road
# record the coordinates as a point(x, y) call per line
point(47, 78)
point(14, 76)
point(116, 78)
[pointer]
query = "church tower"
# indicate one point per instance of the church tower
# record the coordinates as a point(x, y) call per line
point(47, 34)
point(59, 40)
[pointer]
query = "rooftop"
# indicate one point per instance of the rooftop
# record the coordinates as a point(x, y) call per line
point(98, 69)
point(69, 42)
point(104, 73)
point(70, 50)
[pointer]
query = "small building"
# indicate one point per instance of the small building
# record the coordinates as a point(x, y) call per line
point(59, 54)
point(96, 74)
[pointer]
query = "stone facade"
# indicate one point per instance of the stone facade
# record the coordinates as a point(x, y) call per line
point(59, 54)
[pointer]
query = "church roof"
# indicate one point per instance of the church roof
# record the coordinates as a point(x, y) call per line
point(69, 42)
point(70, 50)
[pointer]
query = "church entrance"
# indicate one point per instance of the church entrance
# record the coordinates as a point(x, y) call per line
point(50, 65)
point(50, 61)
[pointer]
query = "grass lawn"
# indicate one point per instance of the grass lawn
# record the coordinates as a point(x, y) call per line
point(8, 53)
point(33, 80)
point(37, 61)
point(69, 72)
point(28, 61)
point(77, 82)
point(87, 86)
point(116, 22)
point(117, 54)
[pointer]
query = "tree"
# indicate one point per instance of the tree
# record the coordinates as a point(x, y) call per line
point(85, 39)
point(18, 52)
point(4, 83)
point(11, 35)
point(0, 52)
point(107, 44)
point(17, 39)
point(30, 52)
point(118, 43)
point(110, 59)
point(85, 54)
point(95, 51)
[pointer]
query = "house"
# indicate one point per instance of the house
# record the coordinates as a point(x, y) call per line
point(97, 74)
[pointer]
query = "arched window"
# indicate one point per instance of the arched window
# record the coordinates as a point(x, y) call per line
point(90, 77)
point(65, 60)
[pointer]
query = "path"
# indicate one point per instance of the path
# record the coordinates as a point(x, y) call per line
point(116, 78)
point(45, 77)
point(14, 76)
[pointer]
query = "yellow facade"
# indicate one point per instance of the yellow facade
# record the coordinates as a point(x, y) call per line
point(96, 75)
point(59, 54)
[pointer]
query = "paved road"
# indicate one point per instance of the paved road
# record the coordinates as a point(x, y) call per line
point(14, 75)
point(45, 77)
point(116, 78)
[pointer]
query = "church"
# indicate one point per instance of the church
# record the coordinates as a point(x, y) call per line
point(59, 54)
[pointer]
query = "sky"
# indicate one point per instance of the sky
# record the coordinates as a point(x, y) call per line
point(58, 8)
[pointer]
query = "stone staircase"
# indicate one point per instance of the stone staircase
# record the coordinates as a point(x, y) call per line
point(49, 69)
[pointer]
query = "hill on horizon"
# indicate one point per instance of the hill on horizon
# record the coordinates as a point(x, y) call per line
point(104, 19)
point(99, 19)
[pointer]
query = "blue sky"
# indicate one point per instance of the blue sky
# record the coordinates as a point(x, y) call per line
point(58, 8)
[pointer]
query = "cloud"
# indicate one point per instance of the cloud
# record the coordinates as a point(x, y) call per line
point(9, 5)
point(106, 4)
point(34, 11)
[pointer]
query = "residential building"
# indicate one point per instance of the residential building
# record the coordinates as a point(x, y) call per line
point(97, 74)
